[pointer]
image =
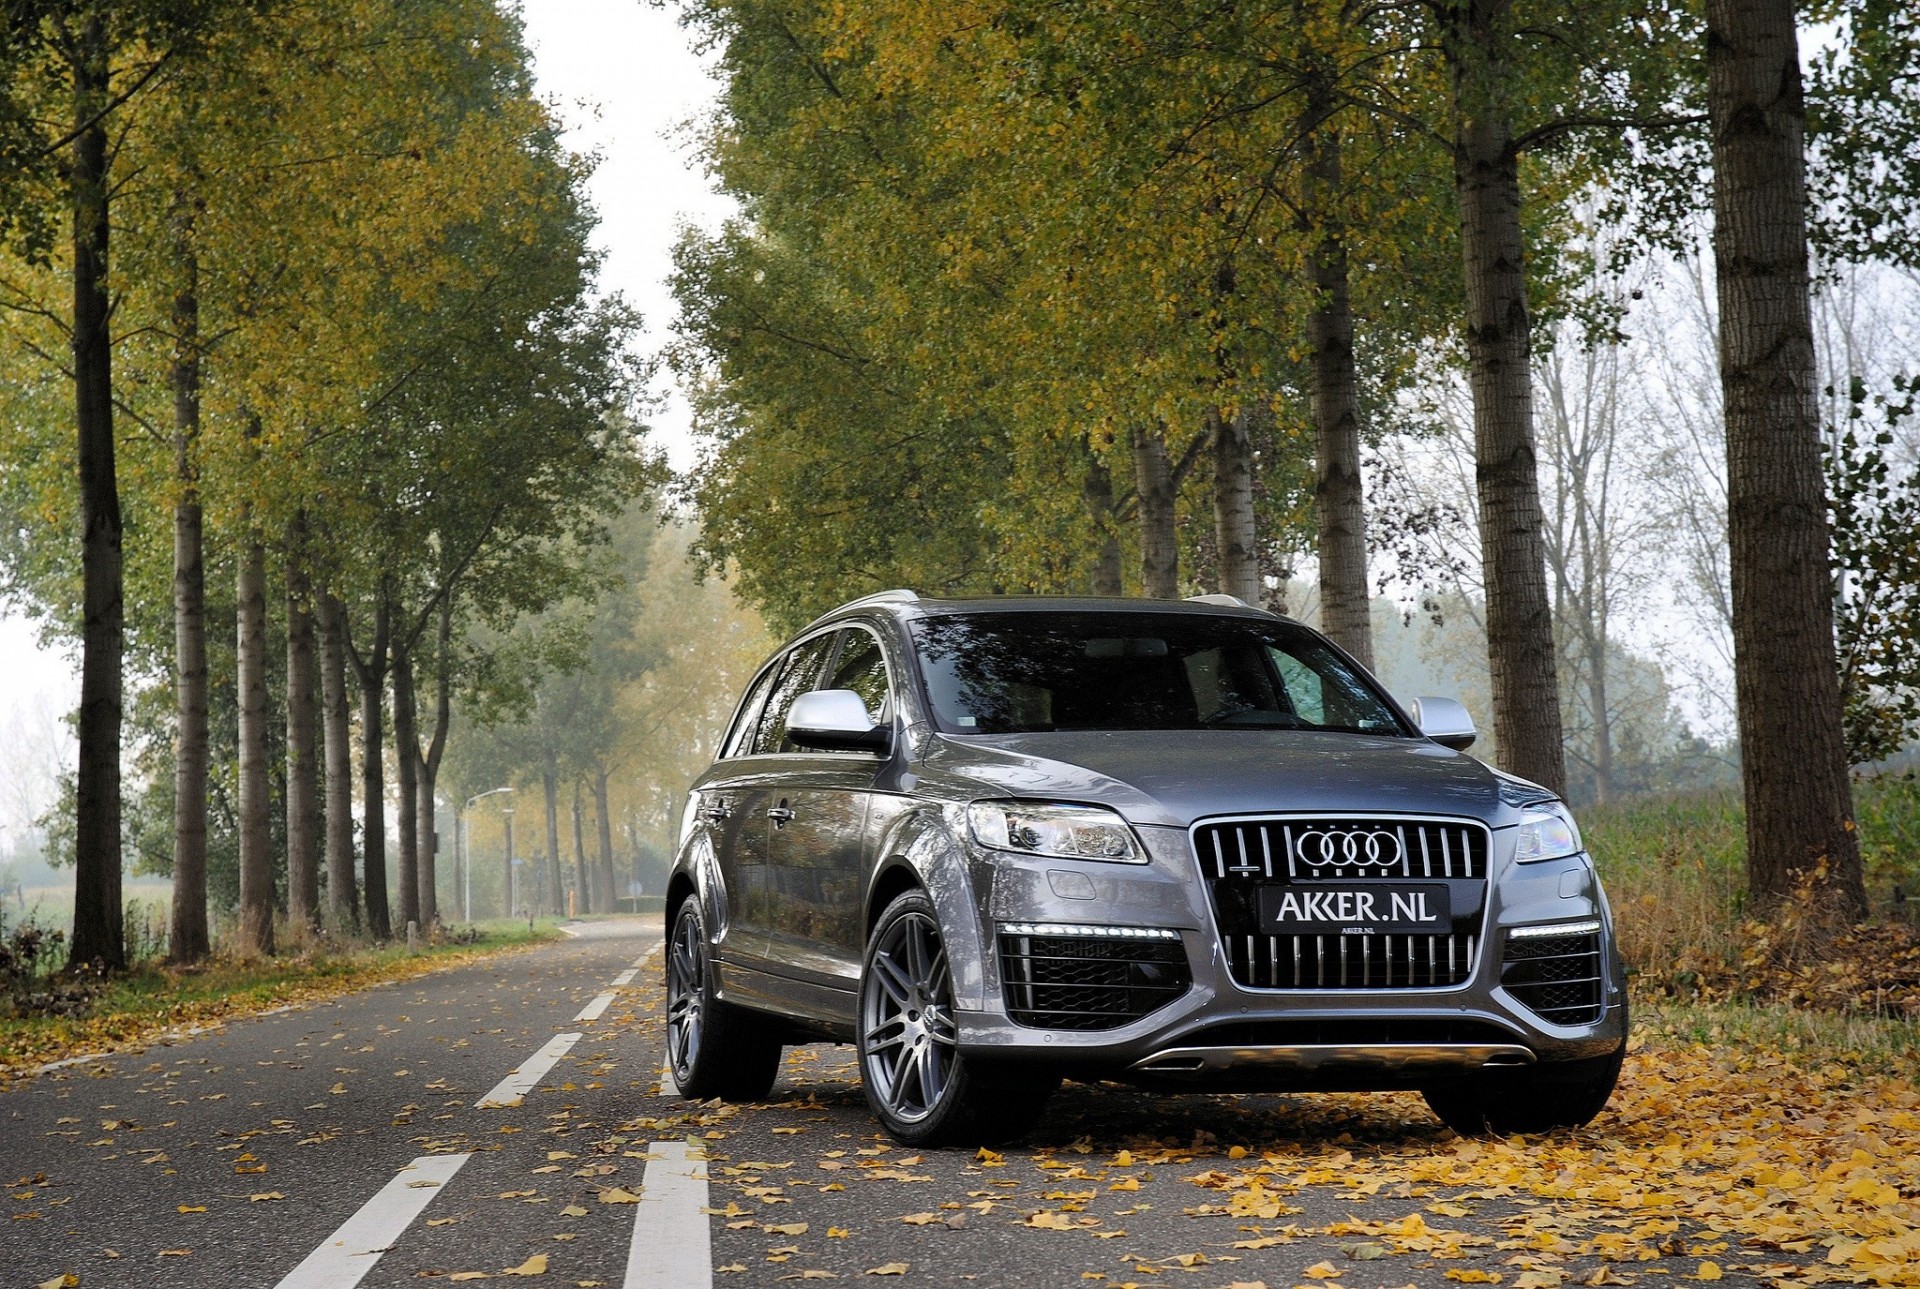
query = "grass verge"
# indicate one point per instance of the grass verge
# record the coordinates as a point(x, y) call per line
point(153, 999)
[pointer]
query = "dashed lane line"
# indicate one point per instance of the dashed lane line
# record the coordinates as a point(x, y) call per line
point(672, 1244)
point(625, 978)
point(593, 1010)
point(510, 1090)
point(351, 1251)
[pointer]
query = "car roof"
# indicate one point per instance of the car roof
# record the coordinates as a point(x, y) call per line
point(907, 606)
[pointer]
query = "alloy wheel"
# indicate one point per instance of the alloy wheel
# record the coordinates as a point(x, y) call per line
point(686, 988)
point(906, 1018)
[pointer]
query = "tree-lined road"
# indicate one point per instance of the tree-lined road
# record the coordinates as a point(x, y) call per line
point(455, 1125)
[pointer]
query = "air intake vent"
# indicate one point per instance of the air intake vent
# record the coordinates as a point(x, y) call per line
point(1557, 977)
point(1087, 981)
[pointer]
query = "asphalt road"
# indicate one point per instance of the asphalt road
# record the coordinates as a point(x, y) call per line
point(365, 1141)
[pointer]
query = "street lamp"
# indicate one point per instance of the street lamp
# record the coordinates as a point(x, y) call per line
point(464, 850)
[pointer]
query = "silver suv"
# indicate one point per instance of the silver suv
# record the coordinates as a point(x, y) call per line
point(998, 842)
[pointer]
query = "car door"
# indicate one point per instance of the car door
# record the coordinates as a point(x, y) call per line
point(735, 806)
point(817, 843)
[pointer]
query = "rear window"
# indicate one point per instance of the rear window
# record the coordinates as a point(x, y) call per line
point(1009, 673)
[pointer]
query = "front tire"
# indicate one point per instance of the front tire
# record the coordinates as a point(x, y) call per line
point(921, 1088)
point(713, 1048)
point(1539, 1098)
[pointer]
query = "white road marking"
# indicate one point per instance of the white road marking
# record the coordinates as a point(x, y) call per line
point(672, 1245)
point(510, 1090)
point(668, 1086)
point(593, 1009)
point(350, 1252)
point(625, 978)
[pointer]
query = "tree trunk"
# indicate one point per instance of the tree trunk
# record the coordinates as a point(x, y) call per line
point(1233, 525)
point(1346, 612)
point(187, 938)
point(343, 901)
point(1097, 488)
point(427, 845)
point(255, 928)
point(406, 764)
point(1602, 719)
point(1793, 761)
point(429, 769)
point(1520, 649)
point(97, 932)
point(580, 854)
point(1159, 542)
point(303, 806)
point(507, 892)
point(549, 780)
point(372, 675)
point(604, 818)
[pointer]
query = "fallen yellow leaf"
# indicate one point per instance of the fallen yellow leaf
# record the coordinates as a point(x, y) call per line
point(889, 1269)
point(618, 1195)
point(791, 1228)
point(533, 1266)
point(192, 1208)
point(1708, 1271)
point(1322, 1271)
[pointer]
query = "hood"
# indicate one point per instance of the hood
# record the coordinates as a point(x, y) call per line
point(1173, 777)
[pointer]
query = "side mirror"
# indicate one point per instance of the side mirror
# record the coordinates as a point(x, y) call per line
point(836, 720)
point(1445, 721)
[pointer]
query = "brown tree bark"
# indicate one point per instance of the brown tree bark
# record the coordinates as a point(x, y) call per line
point(187, 938)
point(1346, 605)
point(428, 775)
point(550, 782)
point(580, 854)
point(303, 805)
point(98, 935)
point(1793, 761)
point(1520, 648)
point(1233, 521)
point(343, 899)
point(1097, 489)
point(406, 764)
point(604, 817)
point(254, 931)
point(1156, 488)
point(371, 672)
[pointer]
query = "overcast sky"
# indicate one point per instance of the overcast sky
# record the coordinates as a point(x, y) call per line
point(624, 77)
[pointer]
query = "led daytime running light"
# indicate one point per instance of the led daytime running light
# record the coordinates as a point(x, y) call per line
point(1556, 929)
point(1083, 931)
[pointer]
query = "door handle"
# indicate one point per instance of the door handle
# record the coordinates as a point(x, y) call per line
point(780, 814)
point(718, 812)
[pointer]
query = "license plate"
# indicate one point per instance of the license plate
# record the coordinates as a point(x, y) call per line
point(1334, 908)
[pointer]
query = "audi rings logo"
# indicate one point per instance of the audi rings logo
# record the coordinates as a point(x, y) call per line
point(1325, 848)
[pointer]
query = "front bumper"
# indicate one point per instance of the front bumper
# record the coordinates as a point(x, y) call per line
point(1220, 1034)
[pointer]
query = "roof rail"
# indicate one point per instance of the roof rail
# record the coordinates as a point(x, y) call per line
point(897, 596)
point(1224, 601)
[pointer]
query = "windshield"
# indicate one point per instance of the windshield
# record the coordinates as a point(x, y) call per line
point(1010, 673)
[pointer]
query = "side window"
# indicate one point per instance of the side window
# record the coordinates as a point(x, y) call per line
point(1305, 687)
point(796, 678)
point(740, 738)
point(862, 667)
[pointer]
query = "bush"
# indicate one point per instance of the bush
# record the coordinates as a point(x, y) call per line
point(1674, 867)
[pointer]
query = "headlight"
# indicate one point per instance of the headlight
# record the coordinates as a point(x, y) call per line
point(1547, 831)
point(1055, 831)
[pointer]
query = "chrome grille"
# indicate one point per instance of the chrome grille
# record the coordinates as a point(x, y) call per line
point(1240, 856)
